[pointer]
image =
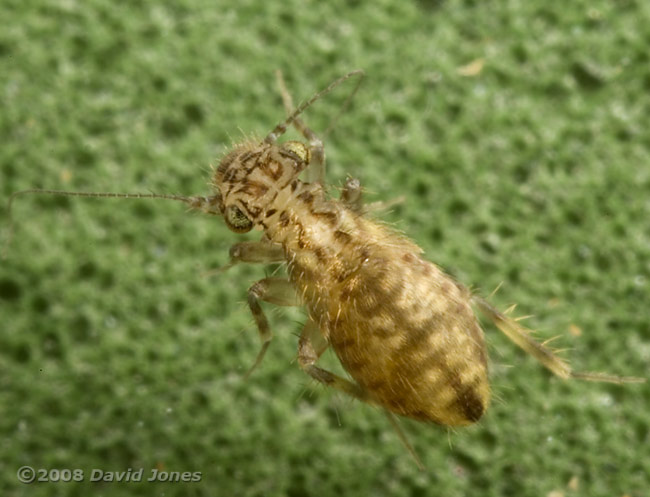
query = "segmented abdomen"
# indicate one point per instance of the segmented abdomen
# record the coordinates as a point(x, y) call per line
point(407, 334)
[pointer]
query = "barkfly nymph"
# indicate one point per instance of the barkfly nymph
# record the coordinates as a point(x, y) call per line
point(404, 331)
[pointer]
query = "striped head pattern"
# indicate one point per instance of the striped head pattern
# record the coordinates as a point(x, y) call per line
point(250, 177)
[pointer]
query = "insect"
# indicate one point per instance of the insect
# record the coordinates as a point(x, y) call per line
point(404, 331)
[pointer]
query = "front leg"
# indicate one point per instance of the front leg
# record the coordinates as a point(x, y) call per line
point(262, 252)
point(316, 169)
point(277, 291)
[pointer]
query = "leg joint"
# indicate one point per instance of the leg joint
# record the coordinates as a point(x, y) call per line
point(257, 290)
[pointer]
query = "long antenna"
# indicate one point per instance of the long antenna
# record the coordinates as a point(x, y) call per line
point(281, 128)
point(194, 202)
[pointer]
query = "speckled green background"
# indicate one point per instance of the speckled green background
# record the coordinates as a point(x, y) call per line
point(116, 353)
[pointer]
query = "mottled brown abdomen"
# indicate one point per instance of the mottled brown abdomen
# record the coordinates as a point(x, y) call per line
point(407, 334)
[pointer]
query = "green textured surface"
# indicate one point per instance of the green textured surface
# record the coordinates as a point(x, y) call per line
point(116, 353)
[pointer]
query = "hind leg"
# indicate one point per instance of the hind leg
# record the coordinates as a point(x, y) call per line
point(310, 347)
point(309, 350)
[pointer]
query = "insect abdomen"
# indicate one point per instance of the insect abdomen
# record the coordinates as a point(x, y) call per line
point(407, 334)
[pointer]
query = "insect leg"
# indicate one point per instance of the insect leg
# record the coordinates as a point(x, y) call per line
point(309, 350)
point(311, 346)
point(521, 336)
point(402, 437)
point(311, 332)
point(316, 169)
point(351, 194)
point(261, 252)
point(277, 291)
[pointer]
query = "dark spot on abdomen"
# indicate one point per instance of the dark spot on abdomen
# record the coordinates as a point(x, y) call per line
point(470, 403)
point(342, 237)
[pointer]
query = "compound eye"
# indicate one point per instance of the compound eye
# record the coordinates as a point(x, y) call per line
point(298, 148)
point(236, 220)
